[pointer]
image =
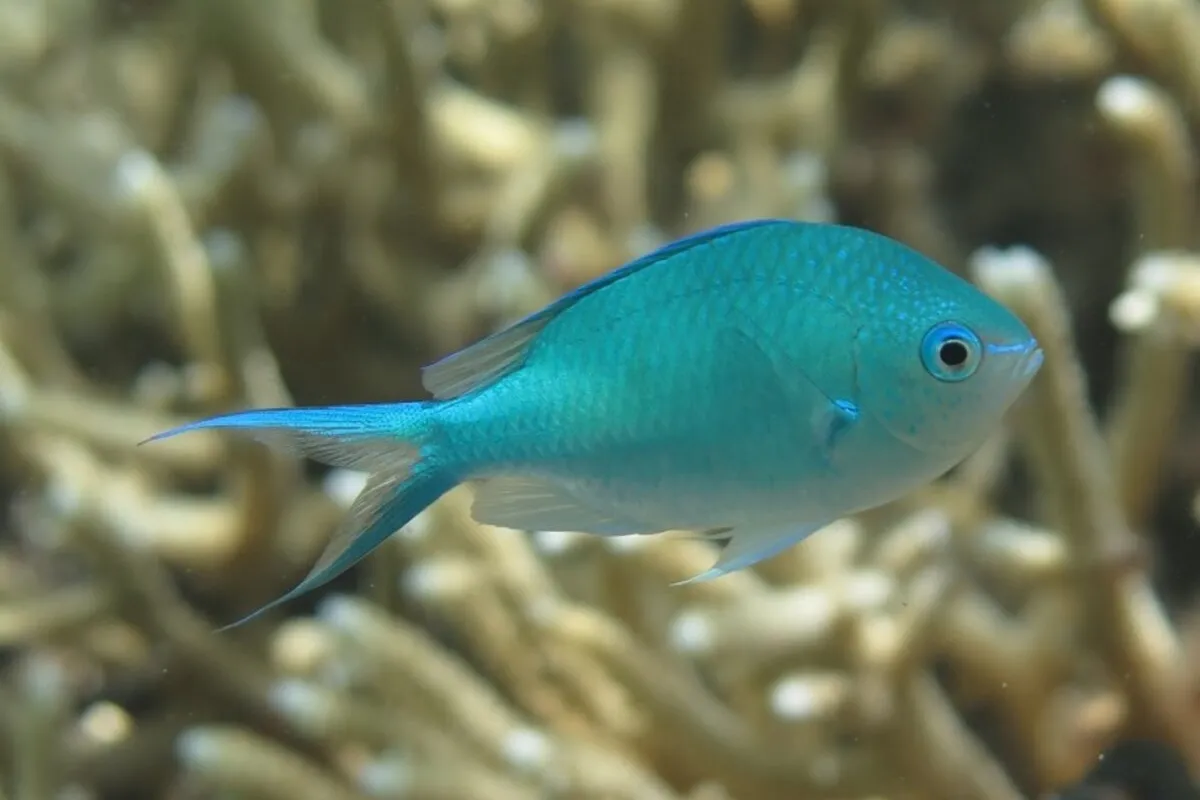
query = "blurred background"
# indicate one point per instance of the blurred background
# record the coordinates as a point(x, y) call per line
point(213, 204)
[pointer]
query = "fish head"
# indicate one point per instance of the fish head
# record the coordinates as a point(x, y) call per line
point(940, 373)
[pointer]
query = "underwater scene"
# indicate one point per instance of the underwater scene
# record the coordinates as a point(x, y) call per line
point(599, 400)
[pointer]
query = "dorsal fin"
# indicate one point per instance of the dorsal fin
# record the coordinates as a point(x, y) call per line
point(490, 359)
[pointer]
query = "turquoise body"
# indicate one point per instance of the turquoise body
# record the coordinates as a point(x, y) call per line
point(758, 380)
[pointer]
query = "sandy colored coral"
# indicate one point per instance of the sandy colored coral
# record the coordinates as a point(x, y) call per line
point(210, 204)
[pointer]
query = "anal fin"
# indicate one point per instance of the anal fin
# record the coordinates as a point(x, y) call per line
point(535, 504)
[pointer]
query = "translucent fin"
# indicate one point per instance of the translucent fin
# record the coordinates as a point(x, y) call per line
point(483, 362)
point(387, 440)
point(490, 359)
point(365, 513)
point(531, 504)
point(386, 504)
point(359, 437)
point(750, 544)
point(829, 418)
point(717, 536)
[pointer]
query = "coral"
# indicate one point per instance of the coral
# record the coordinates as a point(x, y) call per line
point(209, 204)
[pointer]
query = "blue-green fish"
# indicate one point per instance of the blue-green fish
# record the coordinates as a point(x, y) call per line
point(753, 382)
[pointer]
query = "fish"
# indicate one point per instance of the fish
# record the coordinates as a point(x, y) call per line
point(753, 383)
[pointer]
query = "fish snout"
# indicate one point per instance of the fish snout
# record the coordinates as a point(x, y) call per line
point(1030, 361)
point(1022, 358)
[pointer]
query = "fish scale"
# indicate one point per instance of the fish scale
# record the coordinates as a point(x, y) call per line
point(762, 379)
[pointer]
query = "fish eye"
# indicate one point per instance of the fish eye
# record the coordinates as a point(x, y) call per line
point(951, 352)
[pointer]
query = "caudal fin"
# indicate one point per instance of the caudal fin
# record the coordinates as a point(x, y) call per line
point(389, 441)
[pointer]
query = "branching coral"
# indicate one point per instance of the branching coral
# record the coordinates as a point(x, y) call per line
point(208, 204)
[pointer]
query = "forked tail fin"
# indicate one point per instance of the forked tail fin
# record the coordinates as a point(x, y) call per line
point(389, 441)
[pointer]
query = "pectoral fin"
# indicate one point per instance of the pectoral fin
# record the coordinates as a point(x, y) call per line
point(825, 418)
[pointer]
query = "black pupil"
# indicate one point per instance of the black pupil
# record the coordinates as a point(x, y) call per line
point(953, 353)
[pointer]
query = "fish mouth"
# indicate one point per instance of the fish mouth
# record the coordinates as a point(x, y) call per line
point(1029, 356)
point(1031, 362)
